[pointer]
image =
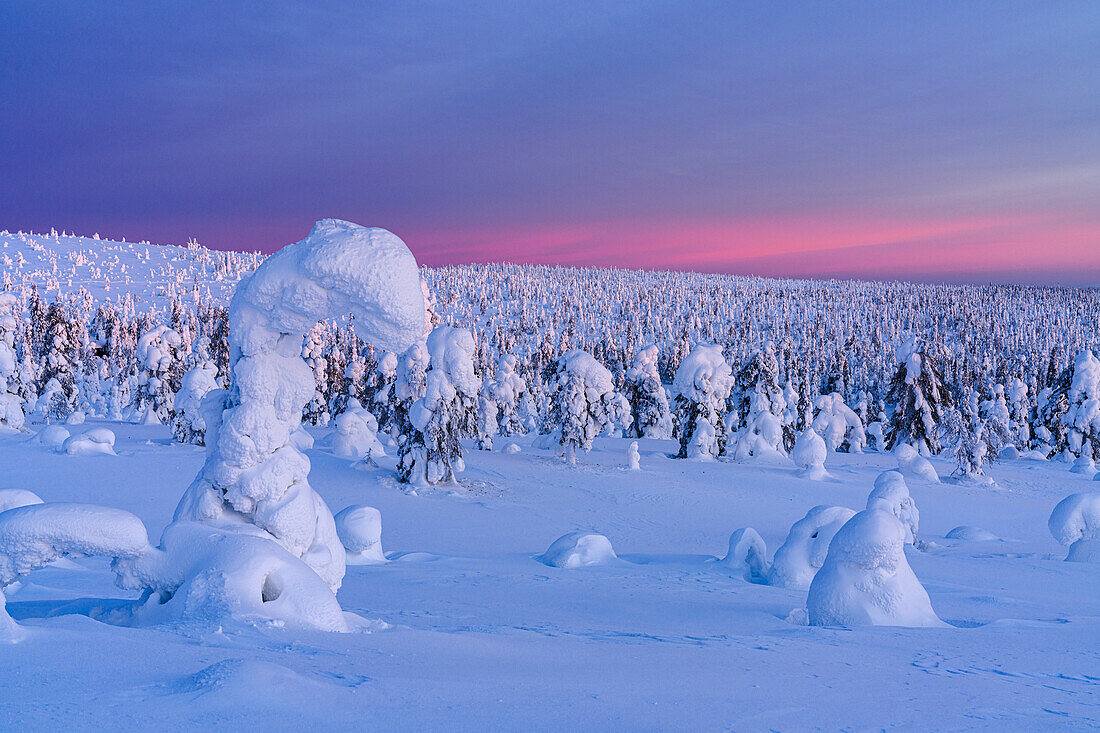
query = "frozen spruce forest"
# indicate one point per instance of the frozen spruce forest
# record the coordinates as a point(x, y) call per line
point(331, 489)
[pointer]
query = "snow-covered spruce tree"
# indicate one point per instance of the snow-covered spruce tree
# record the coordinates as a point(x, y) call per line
point(919, 399)
point(515, 407)
point(255, 480)
point(646, 395)
point(188, 422)
point(11, 405)
point(383, 401)
point(839, 425)
point(758, 401)
point(61, 361)
point(973, 441)
point(1071, 413)
point(446, 413)
point(158, 350)
point(313, 352)
point(407, 389)
point(583, 402)
point(1019, 409)
point(702, 385)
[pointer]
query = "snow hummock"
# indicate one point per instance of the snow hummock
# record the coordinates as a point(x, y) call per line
point(748, 553)
point(912, 464)
point(809, 454)
point(37, 534)
point(360, 530)
point(15, 498)
point(578, 549)
point(97, 441)
point(891, 494)
point(1075, 522)
point(866, 579)
point(52, 436)
point(967, 533)
point(802, 554)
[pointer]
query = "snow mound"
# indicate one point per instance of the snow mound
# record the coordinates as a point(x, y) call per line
point(15, 498)
point(748, 552)
point(866, 579)
point(360, 530)
point(809, 454)
point(51, 436)
point(578, 549)
point(914, 465)
point(967, 533)
point(97, 441)
point(891, 494)
point(802, 554)
point(356, 433)
point(1075, 522)
point(10, 631)
point(35, 535)
point(1084, 465)
point(208, 577)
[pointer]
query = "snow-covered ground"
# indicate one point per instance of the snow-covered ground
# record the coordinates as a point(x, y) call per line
point(477, 633)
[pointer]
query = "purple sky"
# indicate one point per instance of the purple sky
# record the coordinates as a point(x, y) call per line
point(936, 141)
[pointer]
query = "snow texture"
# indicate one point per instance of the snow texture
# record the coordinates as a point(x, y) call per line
point(809, 454)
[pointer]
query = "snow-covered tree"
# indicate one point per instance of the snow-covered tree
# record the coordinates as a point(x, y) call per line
point(11, 405)
point(702, 386)
point(158, 353)
point(314, 349)
point(973, 441)
point(838, 424)
point(188, 421)
point(583, 402)
point(1071, 412)
point(761, 408)
point(919, 398)
point(509, 393)
point(445, 414)
point(646, 395)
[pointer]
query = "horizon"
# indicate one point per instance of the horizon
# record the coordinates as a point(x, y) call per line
point(926, 144)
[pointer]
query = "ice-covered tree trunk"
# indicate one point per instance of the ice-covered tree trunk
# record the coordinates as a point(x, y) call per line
point(254, 478)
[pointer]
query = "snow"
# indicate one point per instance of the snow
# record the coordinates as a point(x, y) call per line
point(802, 554)
point(748, 553)
point(891, 494)
point(469, 629)
point(34, 535)
point(914, 465)
point(360, 530)
point(809, 455)
point(967, 533)
point(97, 441)
point(13, 498)
point(633, 458)
point(578, 550)
point(254, 475)
point(356, 434)
point(866, 579)
point(1075, 522)
point(52, 436)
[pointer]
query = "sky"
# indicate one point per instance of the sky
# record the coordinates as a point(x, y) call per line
point(955, 142)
